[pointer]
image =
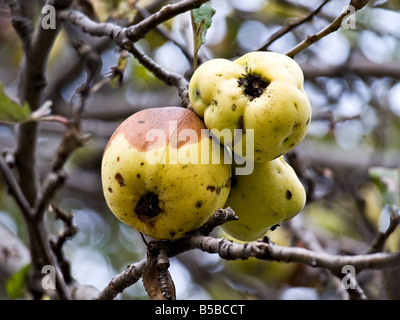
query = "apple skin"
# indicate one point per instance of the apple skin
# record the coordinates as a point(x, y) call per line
point(270, 195)
point(160, 185)
point(261, 91)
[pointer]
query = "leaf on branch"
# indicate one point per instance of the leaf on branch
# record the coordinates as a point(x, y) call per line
point(10, 111)
point(15, 284)
point(157, 281)
point(201, 22)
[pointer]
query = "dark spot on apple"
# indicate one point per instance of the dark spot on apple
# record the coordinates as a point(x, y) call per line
point(110, 190)
point(138, 175)
point(117, 159)
point(148, 207)
point(142, 121)
point(142, 163)
point(211, 188)
point(172, 233)
point(218, 191)
point(120, 179)
point(288, 194)
point(199, 204)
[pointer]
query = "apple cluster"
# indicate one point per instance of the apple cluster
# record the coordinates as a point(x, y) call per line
point(164, 173)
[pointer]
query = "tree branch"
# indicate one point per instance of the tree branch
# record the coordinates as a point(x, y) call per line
point(380, 240)
point(21, 24)
point(32, 83)
point(134, 33)
point(290, 26)
point(138, 31)
point(128, 277)
point(15, 189)
point(170, 78)
point(334, 26)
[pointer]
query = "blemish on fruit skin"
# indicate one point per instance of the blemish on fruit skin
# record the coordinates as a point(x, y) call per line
point(138, 175)
point(211, 188)
point(148, 207)
point(218, 191)
point(110, 190)
point(141, 121)
point(117, 159)
point(120, 179)
point(288, 194)
point(142, 163)
point(199, 204)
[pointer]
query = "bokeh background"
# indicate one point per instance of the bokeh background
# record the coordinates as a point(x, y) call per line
point(349, 161)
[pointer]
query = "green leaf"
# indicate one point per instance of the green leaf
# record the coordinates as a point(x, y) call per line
point(201, 19)
point(10, 111)
point(15, 284)
point(388, 182)
point(201, 22)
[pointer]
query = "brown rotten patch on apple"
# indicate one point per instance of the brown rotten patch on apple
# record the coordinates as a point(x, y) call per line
point(135, 132)
point(148, 206)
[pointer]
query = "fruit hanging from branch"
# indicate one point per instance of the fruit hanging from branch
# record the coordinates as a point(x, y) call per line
point(262, 91)
point(163, 174)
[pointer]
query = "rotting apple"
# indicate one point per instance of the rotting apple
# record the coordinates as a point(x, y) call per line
point(163, 174)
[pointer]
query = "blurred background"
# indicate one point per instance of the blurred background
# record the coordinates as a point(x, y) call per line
point(349, 161)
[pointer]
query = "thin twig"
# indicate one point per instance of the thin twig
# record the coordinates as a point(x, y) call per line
point(380, 240)
point(334, 26)
point(133, 33)
point(170, 78)
point(119, 283)
point(291, 25)
point(164, 32)
point(138, 31)
point(15, 189)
